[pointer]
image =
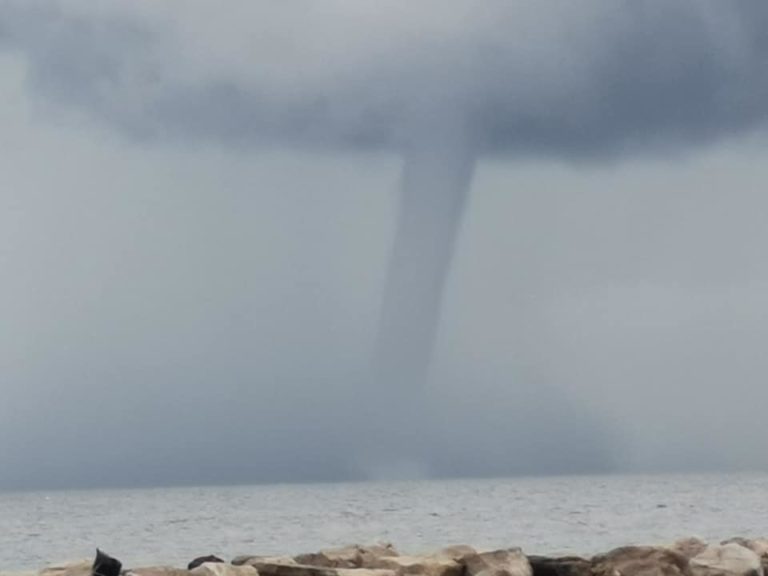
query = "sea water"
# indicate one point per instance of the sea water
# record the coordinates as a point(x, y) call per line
point(580, 515)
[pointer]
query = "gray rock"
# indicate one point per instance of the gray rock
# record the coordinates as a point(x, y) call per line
point(689, 547)
point(289, 567)
point(758, 545)
point(421, 565)
point(75, 568)
point(726, 560)
point(157, 571)
point(640, 561)
point(200, 560)
point(511, 562)
point(354, 556)
point(221, 569)
point(266, 561)
point(457, 552)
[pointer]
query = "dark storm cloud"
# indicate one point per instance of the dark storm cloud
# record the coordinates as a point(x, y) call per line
point(598, 78)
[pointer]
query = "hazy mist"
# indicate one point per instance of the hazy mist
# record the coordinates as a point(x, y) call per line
point(340, 240)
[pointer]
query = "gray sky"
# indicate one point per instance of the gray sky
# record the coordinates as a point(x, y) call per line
point(196, 211)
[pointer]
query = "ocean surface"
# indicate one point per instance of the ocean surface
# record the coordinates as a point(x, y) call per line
point(544, 515)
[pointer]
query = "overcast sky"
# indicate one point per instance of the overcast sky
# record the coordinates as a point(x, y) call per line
point(197, 209)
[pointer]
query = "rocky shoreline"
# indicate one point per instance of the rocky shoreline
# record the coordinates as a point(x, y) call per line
point(689, 557)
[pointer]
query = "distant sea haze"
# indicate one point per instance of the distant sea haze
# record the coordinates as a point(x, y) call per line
point(579, 515)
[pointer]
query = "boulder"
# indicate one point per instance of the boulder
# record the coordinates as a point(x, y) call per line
point(364, 572)
point(689, 547)
point(560, 566)
point(511, 562)
point(76, 568)
point(289, 567)
point(457, 552)
point(737, 540)
point(354, 556)
point(726, 560)
point(758, 545)
point(157, 571)
point(640, 561)
point(421, 565)
point(265, 561)
point(199, 561)
point(221, 569)
point(348, 557)
point(280, 568)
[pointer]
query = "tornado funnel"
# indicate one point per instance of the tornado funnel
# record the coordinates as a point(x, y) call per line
point(435, 182)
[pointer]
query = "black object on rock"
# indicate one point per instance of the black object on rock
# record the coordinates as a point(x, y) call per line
point(105, 565)
point(202, 560)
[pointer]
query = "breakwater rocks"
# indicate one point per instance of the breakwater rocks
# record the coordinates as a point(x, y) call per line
point(690, 557)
